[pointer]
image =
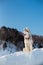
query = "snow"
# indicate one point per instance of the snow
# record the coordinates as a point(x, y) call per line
point(11, 56)
point(11, 48)
point(23, 58)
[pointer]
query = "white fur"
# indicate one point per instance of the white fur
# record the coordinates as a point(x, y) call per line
point(27, 40)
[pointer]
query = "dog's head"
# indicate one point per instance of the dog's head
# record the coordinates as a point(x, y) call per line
point(26, 33)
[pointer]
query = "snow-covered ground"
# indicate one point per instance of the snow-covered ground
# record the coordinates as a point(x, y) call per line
point(11, 56)
point(22, 58)
point(10, 48)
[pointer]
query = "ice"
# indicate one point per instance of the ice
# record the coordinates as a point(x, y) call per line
point(10, 56)
point(23, 58)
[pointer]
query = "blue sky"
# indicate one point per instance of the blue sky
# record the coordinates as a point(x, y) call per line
point(22, 13)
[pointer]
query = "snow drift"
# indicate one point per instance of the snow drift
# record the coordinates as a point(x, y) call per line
point(22, 58)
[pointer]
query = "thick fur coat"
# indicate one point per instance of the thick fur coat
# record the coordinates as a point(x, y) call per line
point(28, 41)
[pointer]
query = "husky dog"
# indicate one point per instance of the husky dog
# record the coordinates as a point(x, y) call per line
point(28, 41)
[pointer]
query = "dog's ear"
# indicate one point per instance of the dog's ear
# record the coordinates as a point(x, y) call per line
point(26, 29)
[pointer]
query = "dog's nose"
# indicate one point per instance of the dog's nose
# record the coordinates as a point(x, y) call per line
point(24, 34)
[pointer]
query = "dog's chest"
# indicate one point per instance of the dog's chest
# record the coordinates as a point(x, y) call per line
point(27, 42)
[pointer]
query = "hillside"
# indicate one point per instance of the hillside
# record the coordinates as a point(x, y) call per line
point(17, 38)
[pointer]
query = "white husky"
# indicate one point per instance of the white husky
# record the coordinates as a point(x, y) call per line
point(28, 41)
